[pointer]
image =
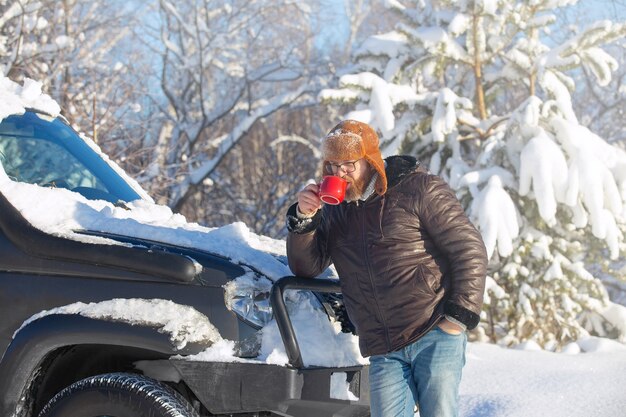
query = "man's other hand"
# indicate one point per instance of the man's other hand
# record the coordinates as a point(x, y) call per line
point(449, 327)
point(308, 200)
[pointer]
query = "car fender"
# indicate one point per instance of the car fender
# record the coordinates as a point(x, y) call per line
point(33, 342)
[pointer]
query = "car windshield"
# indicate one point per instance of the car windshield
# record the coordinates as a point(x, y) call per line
point(41, 150)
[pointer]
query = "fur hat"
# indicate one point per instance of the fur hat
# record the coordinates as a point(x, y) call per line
point(351, 140)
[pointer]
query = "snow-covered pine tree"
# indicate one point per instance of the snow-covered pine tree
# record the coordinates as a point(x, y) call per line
point(475, 89)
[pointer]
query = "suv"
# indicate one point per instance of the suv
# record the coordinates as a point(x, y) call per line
point(106, 322)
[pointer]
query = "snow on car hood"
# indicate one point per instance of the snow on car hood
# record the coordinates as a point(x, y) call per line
point(63, 213)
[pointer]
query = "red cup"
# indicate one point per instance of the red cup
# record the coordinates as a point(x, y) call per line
point(333, 189)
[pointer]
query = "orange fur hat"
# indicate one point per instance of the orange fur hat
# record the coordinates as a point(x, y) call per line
point(351, 140)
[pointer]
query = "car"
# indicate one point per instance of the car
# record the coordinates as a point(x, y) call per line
point(105, 321)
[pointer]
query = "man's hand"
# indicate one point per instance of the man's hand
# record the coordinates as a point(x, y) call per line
point(449, 327)
point(308, 200)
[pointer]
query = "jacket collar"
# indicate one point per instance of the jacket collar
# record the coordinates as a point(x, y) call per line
point(396, 168)
point(399, 166)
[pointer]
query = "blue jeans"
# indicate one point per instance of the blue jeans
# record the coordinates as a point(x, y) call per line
point(426, 372)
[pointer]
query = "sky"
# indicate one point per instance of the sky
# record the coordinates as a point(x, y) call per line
point(588, 378)
point(601, 9)
point(333, 24)
point(336, 31)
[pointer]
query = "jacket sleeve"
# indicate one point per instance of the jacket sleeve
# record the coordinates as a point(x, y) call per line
point(443, 218)
point(306, 244)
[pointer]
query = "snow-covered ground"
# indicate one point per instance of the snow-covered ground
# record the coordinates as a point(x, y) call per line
point(500, 382)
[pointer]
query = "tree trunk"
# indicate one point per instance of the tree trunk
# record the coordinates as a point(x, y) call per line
point(478, 72)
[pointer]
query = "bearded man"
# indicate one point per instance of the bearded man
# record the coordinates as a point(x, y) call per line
point(411, 265)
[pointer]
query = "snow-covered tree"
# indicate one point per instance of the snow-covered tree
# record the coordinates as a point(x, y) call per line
point(225, 66)
point(17, 20)
point(475, 89)
point(597, 107)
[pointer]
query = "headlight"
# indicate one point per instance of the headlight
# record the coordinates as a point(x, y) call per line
point(249, 297)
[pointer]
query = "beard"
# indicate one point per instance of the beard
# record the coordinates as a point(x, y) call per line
point(357, 187)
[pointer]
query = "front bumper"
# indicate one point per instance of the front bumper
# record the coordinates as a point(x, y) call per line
point(236, 387)
point(294, 390)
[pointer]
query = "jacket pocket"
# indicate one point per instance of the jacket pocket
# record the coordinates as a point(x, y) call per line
point(407, 277)
point(426, 279)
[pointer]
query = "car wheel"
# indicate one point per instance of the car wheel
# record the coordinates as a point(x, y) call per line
point(118, 395)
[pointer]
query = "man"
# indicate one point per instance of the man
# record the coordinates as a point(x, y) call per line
point(411, 265)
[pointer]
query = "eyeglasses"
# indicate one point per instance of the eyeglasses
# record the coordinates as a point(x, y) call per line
point(347, 167)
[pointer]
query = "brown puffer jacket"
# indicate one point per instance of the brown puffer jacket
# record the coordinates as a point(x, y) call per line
point(404, 259)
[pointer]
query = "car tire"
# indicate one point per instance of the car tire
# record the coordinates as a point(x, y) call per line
point(119, 395)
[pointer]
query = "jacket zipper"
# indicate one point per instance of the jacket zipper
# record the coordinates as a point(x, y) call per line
point(369, 273)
